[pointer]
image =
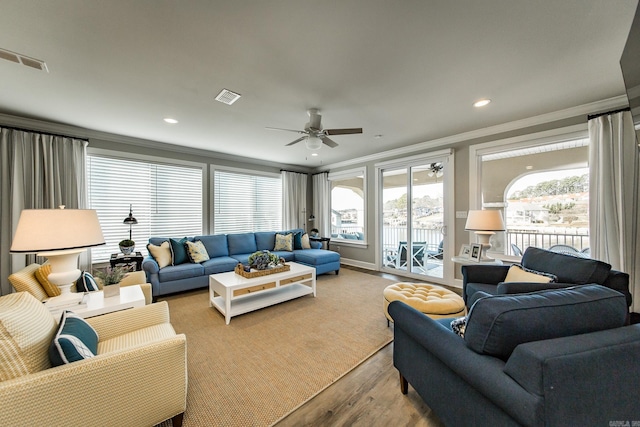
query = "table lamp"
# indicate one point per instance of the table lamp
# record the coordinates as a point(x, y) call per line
point(60, 235)
point(485, 223)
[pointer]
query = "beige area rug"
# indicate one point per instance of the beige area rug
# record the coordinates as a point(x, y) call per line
point(267, 363)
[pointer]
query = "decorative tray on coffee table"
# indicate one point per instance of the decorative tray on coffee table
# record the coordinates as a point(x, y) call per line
point(257, 273)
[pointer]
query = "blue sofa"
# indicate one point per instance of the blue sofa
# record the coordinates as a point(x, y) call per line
point(549, 358)
point(225, 252)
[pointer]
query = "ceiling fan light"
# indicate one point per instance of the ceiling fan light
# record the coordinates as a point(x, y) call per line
point(313, 143)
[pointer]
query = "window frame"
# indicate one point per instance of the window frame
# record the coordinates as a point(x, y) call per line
point(341, 176)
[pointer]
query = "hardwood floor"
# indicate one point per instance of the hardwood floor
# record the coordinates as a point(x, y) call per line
point(367, 396)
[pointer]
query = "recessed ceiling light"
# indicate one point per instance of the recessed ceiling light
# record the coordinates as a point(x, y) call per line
point(170, 120)
point(314, 154)
point(377, 136)
point(481, 103)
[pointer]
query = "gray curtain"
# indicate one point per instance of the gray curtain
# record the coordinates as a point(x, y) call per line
point(321, 203)
point(294, 200)
point(614, 219)
point(39, 171)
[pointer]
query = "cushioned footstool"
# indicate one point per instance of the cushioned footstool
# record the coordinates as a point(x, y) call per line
point(432, 300)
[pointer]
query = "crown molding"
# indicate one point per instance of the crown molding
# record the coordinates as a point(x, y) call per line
point(585, 109)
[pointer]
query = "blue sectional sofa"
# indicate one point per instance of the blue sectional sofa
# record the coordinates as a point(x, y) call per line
point(225, 252)
point(560, 357)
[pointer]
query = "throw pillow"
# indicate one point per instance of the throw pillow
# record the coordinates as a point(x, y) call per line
point(86, 283)
point(179, 251)
point(518, 273)
point(196, 251)
point(297, 240)
point(284, 242)
point(42, 275)
point(162, 253)
point(305, 241)
point(458, 325)
point(75, 340)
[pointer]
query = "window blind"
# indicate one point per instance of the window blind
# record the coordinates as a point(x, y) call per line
point(166, 201)
point(245, 203)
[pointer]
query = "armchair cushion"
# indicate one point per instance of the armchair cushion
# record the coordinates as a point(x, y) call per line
point(517, 273)
point(26, 330)
point(42, 274)
point(497, 324)
point(75, 340)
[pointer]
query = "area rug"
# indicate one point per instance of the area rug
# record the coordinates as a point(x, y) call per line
point(267, 363)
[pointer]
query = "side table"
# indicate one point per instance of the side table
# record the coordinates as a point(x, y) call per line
point(324, 240)
point(95, 304)
point(469, 261)
point(127, 260)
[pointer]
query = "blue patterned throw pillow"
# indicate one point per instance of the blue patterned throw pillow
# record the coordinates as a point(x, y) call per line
point(284, 242)
point(86, 283)
point(196, 251)
point(75, 340)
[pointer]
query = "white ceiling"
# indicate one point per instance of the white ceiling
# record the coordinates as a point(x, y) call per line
point(406, 69)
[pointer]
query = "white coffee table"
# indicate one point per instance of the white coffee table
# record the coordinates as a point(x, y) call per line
point(97, 304)
point(232, 294)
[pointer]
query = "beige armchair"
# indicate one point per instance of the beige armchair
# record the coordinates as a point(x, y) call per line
point(25, 280)
point(137, 378)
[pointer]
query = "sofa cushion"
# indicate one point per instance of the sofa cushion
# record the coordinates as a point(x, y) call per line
point(518, 273)
point(216, 244)
point(75, 340)
point(182, 271)
point(241, 243)
point(567, 268)
point(497, 324)
point(161, 253)
point(265, 240)
point(179, 251)
point(315, 256)
point(86, 283)
point(26, 330)
point(284, 242)
point(197, 251)
point(219, 265)
point(42, 274)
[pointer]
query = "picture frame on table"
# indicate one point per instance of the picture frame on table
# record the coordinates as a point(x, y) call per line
point(476, 252)
point(465, 250)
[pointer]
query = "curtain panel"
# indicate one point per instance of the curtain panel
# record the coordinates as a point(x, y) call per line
point(614, 219)
point(294, 200)
point(39, 171)
point(321, 203)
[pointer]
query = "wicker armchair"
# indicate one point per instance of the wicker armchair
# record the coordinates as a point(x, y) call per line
point(25, 280)
point(137, 378)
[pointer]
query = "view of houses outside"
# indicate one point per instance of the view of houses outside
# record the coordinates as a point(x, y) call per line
point(549, 208)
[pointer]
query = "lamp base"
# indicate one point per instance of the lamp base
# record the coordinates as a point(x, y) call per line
point(484, 240)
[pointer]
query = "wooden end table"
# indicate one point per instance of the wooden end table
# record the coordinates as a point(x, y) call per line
point(136, 258)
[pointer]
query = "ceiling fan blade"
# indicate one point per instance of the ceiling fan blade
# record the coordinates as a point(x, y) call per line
point(296, 141)
point(328, 141)
point(342, 131)
point(286, 130)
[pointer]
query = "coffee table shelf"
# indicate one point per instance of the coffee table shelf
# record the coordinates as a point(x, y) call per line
point(232, 294)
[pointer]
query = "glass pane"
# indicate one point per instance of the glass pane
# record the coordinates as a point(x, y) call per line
point(394, 212)
point(347, 208)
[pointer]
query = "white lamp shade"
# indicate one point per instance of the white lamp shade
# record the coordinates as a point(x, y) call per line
point(43, 230)
point(484, 220)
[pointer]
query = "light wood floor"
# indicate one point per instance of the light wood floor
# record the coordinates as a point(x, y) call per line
point(367, 396)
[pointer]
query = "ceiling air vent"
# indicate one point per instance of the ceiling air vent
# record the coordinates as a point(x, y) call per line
point(24, 60)
point(227, 97)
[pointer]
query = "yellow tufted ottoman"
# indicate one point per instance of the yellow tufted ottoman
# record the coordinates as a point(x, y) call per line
point(432, 300)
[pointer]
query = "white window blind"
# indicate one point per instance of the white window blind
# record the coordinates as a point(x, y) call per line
point(166, 200)
point(245, 203)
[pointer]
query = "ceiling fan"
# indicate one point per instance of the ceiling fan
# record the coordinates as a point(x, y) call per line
point(314, 135)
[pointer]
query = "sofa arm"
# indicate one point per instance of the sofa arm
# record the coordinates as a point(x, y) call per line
point(315, 245)
point(122, 322)
point(144, 385)
point(619, 281)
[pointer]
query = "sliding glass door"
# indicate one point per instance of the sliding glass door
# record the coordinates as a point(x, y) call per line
point(414, 216)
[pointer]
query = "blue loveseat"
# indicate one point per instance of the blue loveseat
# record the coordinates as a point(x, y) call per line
point(558, 357)
point(225, 252)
